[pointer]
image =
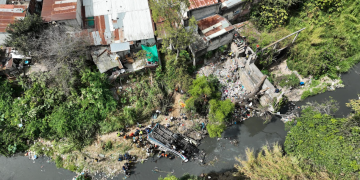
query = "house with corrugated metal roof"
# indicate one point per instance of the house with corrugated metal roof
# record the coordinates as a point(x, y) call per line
point(214, 31)
point(230, 9)
point(200, 9)
point(119, 30)
point(12, 62)
point(234, 9)
point(64, 12)
point(9, 13)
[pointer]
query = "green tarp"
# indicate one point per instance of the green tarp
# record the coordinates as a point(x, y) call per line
point(152, 53)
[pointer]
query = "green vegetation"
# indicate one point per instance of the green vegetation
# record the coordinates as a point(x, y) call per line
point(287, 80)
point(270, 76)
point(184, 177)
point(24, 31)
point(218, 115)
point(317, 146)
point(43, 111)
point(313, 91)
point(328, 45)
point(270, 163)
point(326, 141)
point(108, 146)
point(271, 14)
point(174, 32)
point(59, 162)
point(204, 99)
point(201, 91)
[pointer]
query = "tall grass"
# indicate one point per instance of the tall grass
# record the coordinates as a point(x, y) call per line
point(271, 163)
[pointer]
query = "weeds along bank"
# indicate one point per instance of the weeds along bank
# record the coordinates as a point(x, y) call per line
point(327, 47)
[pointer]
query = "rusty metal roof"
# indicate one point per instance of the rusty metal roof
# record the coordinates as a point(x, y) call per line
point(55, 10)
point(201, 3)
point(214, 26)
point(10, 13)
point(118, 22)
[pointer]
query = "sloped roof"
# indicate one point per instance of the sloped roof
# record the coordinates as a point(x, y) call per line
point(214, 26)
point(230, 3)
point(201, 3)
point(10, 13)
point(119, 21)
point(55, 10)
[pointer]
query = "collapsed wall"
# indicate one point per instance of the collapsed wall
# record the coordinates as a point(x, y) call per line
point(250, 76)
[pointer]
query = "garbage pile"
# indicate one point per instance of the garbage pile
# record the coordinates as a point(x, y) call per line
point(229, 77)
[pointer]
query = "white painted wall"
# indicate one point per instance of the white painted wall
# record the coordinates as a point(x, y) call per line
point(204, 12)
point(221, 40)
point(229, 13)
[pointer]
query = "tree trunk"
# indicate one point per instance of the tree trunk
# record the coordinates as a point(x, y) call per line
point(177, 54)
point(256, 90)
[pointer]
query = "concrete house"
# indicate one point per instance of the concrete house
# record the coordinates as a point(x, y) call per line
point(201, 9)
point(233, 9)
point(214, 31)
point(64, 12)
point(118, 30)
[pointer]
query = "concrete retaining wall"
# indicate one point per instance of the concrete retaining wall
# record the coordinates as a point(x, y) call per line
point(250, 76)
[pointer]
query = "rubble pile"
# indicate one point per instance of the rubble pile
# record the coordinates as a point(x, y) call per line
point(227, 73)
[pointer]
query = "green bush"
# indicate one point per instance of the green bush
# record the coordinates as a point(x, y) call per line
point(326, 141)
point(220, 110)
point(59, 162)
point(215, 130)
point(209, 54)
point(288, 80)
point(314, 83)
point(72, 167)
point(108, 145)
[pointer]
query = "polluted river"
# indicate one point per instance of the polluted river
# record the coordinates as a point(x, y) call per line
point(220, 152)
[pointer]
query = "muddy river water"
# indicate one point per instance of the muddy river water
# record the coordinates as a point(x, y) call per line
point(252, 133)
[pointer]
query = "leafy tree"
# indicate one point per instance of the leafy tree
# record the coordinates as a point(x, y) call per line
point(326, 141)
point(22, 31)
point(271, 163)
point(176, 35)
point(272, 13)
point(215, 129)
point(220, 110)
point(202, 89)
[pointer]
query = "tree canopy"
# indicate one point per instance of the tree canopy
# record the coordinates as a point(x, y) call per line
point(174, 33)
point(201, 91)
point(22, 31)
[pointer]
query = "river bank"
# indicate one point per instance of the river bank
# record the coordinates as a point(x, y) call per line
point(221, 153)
point(252, 133)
